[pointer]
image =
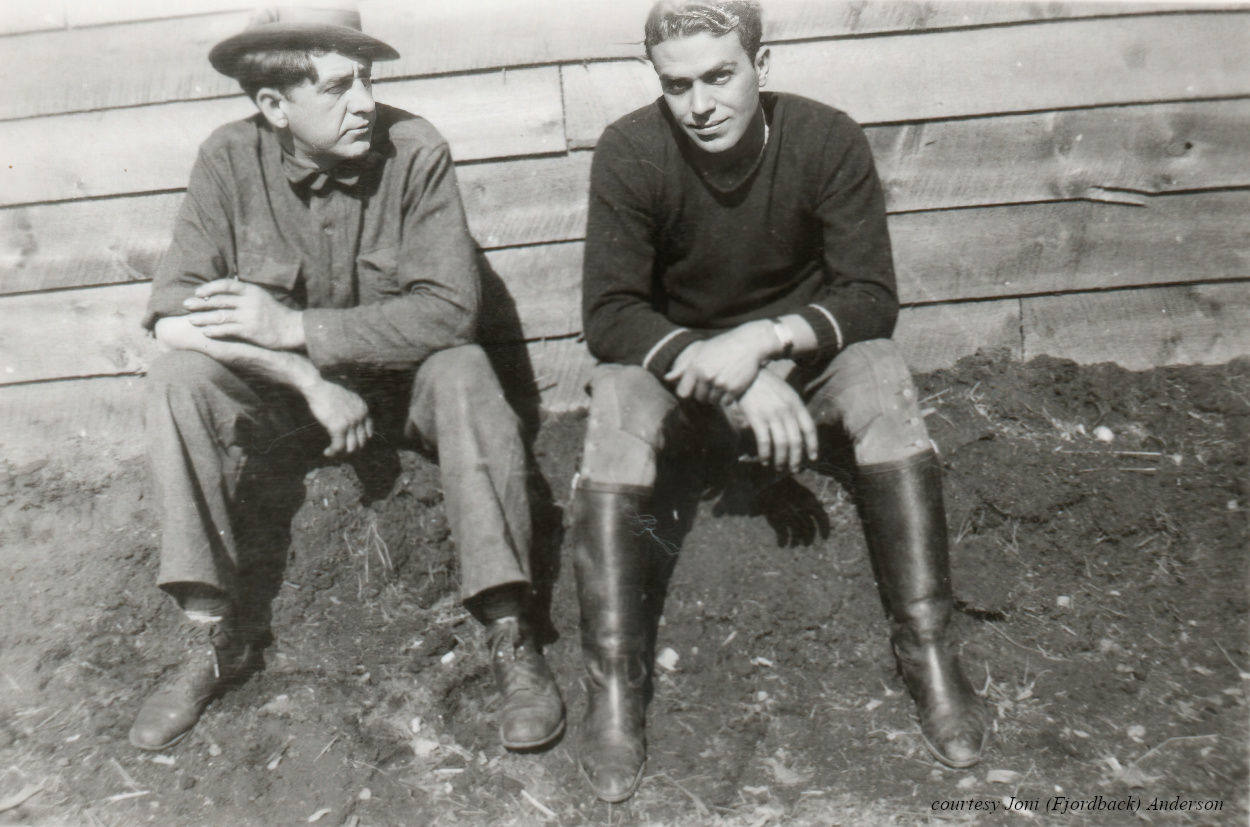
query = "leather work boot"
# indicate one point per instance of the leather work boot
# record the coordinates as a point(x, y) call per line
point(218, 655)
point(905, 526)
point(608, 562)
point(533, 712)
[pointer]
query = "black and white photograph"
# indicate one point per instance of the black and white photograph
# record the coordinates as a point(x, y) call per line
point(658, 412)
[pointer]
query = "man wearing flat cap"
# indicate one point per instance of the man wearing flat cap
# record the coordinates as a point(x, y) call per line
point(320, 263)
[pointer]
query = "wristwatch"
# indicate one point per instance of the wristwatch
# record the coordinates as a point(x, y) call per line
point(786, 339)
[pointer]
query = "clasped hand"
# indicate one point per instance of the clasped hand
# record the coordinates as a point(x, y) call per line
point(784, 430)
point(720, 369)
point(233, 309)
point(344, 415)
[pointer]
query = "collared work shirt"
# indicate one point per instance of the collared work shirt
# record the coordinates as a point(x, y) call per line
point(376, 252)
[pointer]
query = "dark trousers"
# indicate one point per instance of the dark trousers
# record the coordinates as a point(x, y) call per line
point(205, 422)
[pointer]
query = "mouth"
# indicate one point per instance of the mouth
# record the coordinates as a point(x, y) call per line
point(358, 131)
point(707, 128)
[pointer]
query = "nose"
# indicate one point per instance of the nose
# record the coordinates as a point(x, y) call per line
point(361, 101)
point(702, 101)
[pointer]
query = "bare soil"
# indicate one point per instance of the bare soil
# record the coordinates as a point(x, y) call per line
point(1101, 587)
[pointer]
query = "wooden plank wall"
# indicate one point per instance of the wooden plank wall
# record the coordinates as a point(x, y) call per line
point(1062, 177)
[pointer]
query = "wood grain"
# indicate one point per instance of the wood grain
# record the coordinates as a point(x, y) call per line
point(1141, 329)
point(98, 422)
point(113, 240)
point(1124, 152)
point(939, 256)
point(1067, 246)
point(148, 148)
point(44, 335)
point(533, 295)
point(20, 18)
point(103, 12)
point(947, 74)
point(1105, 154)
point(937, 336)
point(91, 423)
point(74, 333)
point(99, 66)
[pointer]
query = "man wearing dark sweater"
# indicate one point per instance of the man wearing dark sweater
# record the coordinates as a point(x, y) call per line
point(738, 264)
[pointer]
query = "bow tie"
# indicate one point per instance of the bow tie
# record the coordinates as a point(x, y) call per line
point(345, 175)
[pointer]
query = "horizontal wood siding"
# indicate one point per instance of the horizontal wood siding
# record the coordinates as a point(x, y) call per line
point(95, 68)
point(968, 72)
point(1139, 329)
point(1062, 177)
point(1122, 154)
point(493, 115)
point(1104, 154)
point(1044, 248)
point(940, 256)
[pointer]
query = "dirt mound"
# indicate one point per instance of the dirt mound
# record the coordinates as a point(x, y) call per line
point(1100, 565)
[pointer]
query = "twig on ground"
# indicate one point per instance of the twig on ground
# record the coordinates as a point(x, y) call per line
point(1138, 470)
point(20, 797)
point(276, 757)
point(124, 796)
point(384, 551)
point(1037, 649)
point(538, 805)
point(1229, 658)
point(130, 782)
point(326, 748)
point(1116, 453)
point(698, 802)
point(47, 720)
point(1167, 741)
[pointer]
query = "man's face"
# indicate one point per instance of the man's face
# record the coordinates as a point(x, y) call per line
point(332, 120)
point(711, 86)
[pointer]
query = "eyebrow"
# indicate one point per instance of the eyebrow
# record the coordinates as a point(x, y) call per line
point(346, 77)
point(724, 64)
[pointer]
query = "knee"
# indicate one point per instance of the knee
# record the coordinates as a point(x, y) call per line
point(462, 379)
point(185, 368)
point(186, 376)
point(628, 399)
point(872, 394)
point(879, 360)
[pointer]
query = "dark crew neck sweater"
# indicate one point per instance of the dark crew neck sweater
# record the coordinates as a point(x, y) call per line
point(682, 245)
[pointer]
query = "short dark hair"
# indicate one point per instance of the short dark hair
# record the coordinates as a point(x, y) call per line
point(681, 18)
point(279, 69)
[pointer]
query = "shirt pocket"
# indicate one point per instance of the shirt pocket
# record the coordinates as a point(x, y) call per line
point(280, 277)
point(378, 274)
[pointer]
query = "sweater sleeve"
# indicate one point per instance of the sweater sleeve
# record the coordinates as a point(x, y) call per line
point(861, 301)
point(620, 311)
point(437, 273)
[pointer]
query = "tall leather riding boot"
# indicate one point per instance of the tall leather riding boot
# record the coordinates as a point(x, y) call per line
point(905, 526)
point(218, 654)
point(609, 565)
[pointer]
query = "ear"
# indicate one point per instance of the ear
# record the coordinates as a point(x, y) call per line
point(271, 102)
point(763, 59)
